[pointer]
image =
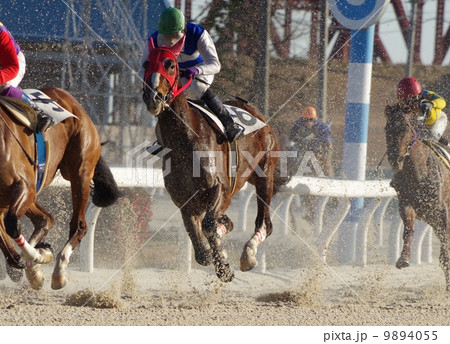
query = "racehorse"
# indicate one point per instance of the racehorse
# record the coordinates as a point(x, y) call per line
point(422, 182)
point(74, 151)
point(203, 195)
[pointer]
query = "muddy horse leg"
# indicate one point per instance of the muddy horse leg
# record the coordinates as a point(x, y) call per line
point(263, 224)
point(408, 216)
point(193, 226)
point(214, 231)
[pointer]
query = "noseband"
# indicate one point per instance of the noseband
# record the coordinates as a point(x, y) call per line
point(156, 58)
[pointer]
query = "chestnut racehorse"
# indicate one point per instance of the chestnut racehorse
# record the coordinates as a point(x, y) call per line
point(201, 188)
point(422, 182)
point(74, 151)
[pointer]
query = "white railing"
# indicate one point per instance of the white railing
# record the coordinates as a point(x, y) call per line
point(378, 193)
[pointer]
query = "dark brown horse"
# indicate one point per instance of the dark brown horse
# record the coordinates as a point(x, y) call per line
point(75, 152)
point(203, 194)
point(422, 182)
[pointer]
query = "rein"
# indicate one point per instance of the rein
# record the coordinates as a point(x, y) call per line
point(31, 161)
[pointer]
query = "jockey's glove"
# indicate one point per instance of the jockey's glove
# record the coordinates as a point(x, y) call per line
point(425, 107)
point(189, 72)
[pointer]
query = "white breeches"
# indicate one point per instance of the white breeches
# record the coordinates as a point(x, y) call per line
point(436, 130)
point(198, 88)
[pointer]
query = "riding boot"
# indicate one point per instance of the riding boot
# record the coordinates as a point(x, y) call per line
point(444, 141)
point(155, 148)
point(233, 130)
point(44, 121)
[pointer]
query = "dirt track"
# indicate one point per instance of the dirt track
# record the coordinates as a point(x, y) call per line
point(377, 295)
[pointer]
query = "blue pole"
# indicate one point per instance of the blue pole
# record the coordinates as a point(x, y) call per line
point(356, 127)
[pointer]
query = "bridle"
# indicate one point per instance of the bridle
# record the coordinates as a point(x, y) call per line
point(156, 58)
point(415, 130)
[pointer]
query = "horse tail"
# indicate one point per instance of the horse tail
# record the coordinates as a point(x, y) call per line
point(105, 191)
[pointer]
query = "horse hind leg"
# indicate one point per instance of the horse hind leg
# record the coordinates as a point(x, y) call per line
point(263, 223)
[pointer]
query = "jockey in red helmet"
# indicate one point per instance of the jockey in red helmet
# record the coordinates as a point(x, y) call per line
point(12, 70)
point(428, 105)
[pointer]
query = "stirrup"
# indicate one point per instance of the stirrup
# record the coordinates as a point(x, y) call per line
point(43, 122)
point(155, 148)
point(235, 131)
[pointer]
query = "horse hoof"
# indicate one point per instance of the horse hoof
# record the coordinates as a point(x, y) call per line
point(248, 259)
point(58, 282)
point(225, 273)
point(402, 263)
point(35, 277)
point(14, 274)
point(203, 258)
point(46, 255)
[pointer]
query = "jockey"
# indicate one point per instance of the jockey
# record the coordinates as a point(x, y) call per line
point(311, 134)
point(198, 59)
point(12, 70)
point(427, 105)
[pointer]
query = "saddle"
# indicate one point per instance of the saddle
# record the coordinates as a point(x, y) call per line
point(26, 115)
point(240, 116)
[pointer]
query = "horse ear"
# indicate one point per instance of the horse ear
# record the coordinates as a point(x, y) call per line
point(151, 44)
point(176, 49)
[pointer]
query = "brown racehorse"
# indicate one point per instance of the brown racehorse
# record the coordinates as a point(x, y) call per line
point(74, 151)
point(203, 195)
point(422, 182)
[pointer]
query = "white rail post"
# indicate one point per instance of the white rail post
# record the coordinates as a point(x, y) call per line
point(87, 245)
point(363, 229)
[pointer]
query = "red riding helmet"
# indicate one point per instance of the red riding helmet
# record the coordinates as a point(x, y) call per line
point(408, 88)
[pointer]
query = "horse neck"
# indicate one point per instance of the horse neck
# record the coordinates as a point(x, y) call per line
point(417, 162)
point(176, 123)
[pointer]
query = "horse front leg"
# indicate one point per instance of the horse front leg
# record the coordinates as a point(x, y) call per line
point(263, 223)
point(193, 226)
point(408, 216)
point(23, 196)
point(215, 230)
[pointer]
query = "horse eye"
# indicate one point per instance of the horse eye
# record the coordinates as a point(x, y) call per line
point(169, 64)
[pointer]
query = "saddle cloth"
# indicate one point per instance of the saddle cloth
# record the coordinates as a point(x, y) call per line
point(240, 116)
point(25, 113)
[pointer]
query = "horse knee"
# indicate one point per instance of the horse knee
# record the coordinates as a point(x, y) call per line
point(209, 225)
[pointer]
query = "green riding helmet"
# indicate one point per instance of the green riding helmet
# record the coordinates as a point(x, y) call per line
point(171, 21)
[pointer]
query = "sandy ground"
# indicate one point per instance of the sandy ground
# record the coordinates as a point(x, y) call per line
point(297, 293)
point(377, 295)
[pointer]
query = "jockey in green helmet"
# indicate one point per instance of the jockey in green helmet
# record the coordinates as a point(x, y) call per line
point(198, 59)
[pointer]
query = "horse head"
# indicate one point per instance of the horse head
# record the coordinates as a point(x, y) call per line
point(402, 132)
point(161, 76)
